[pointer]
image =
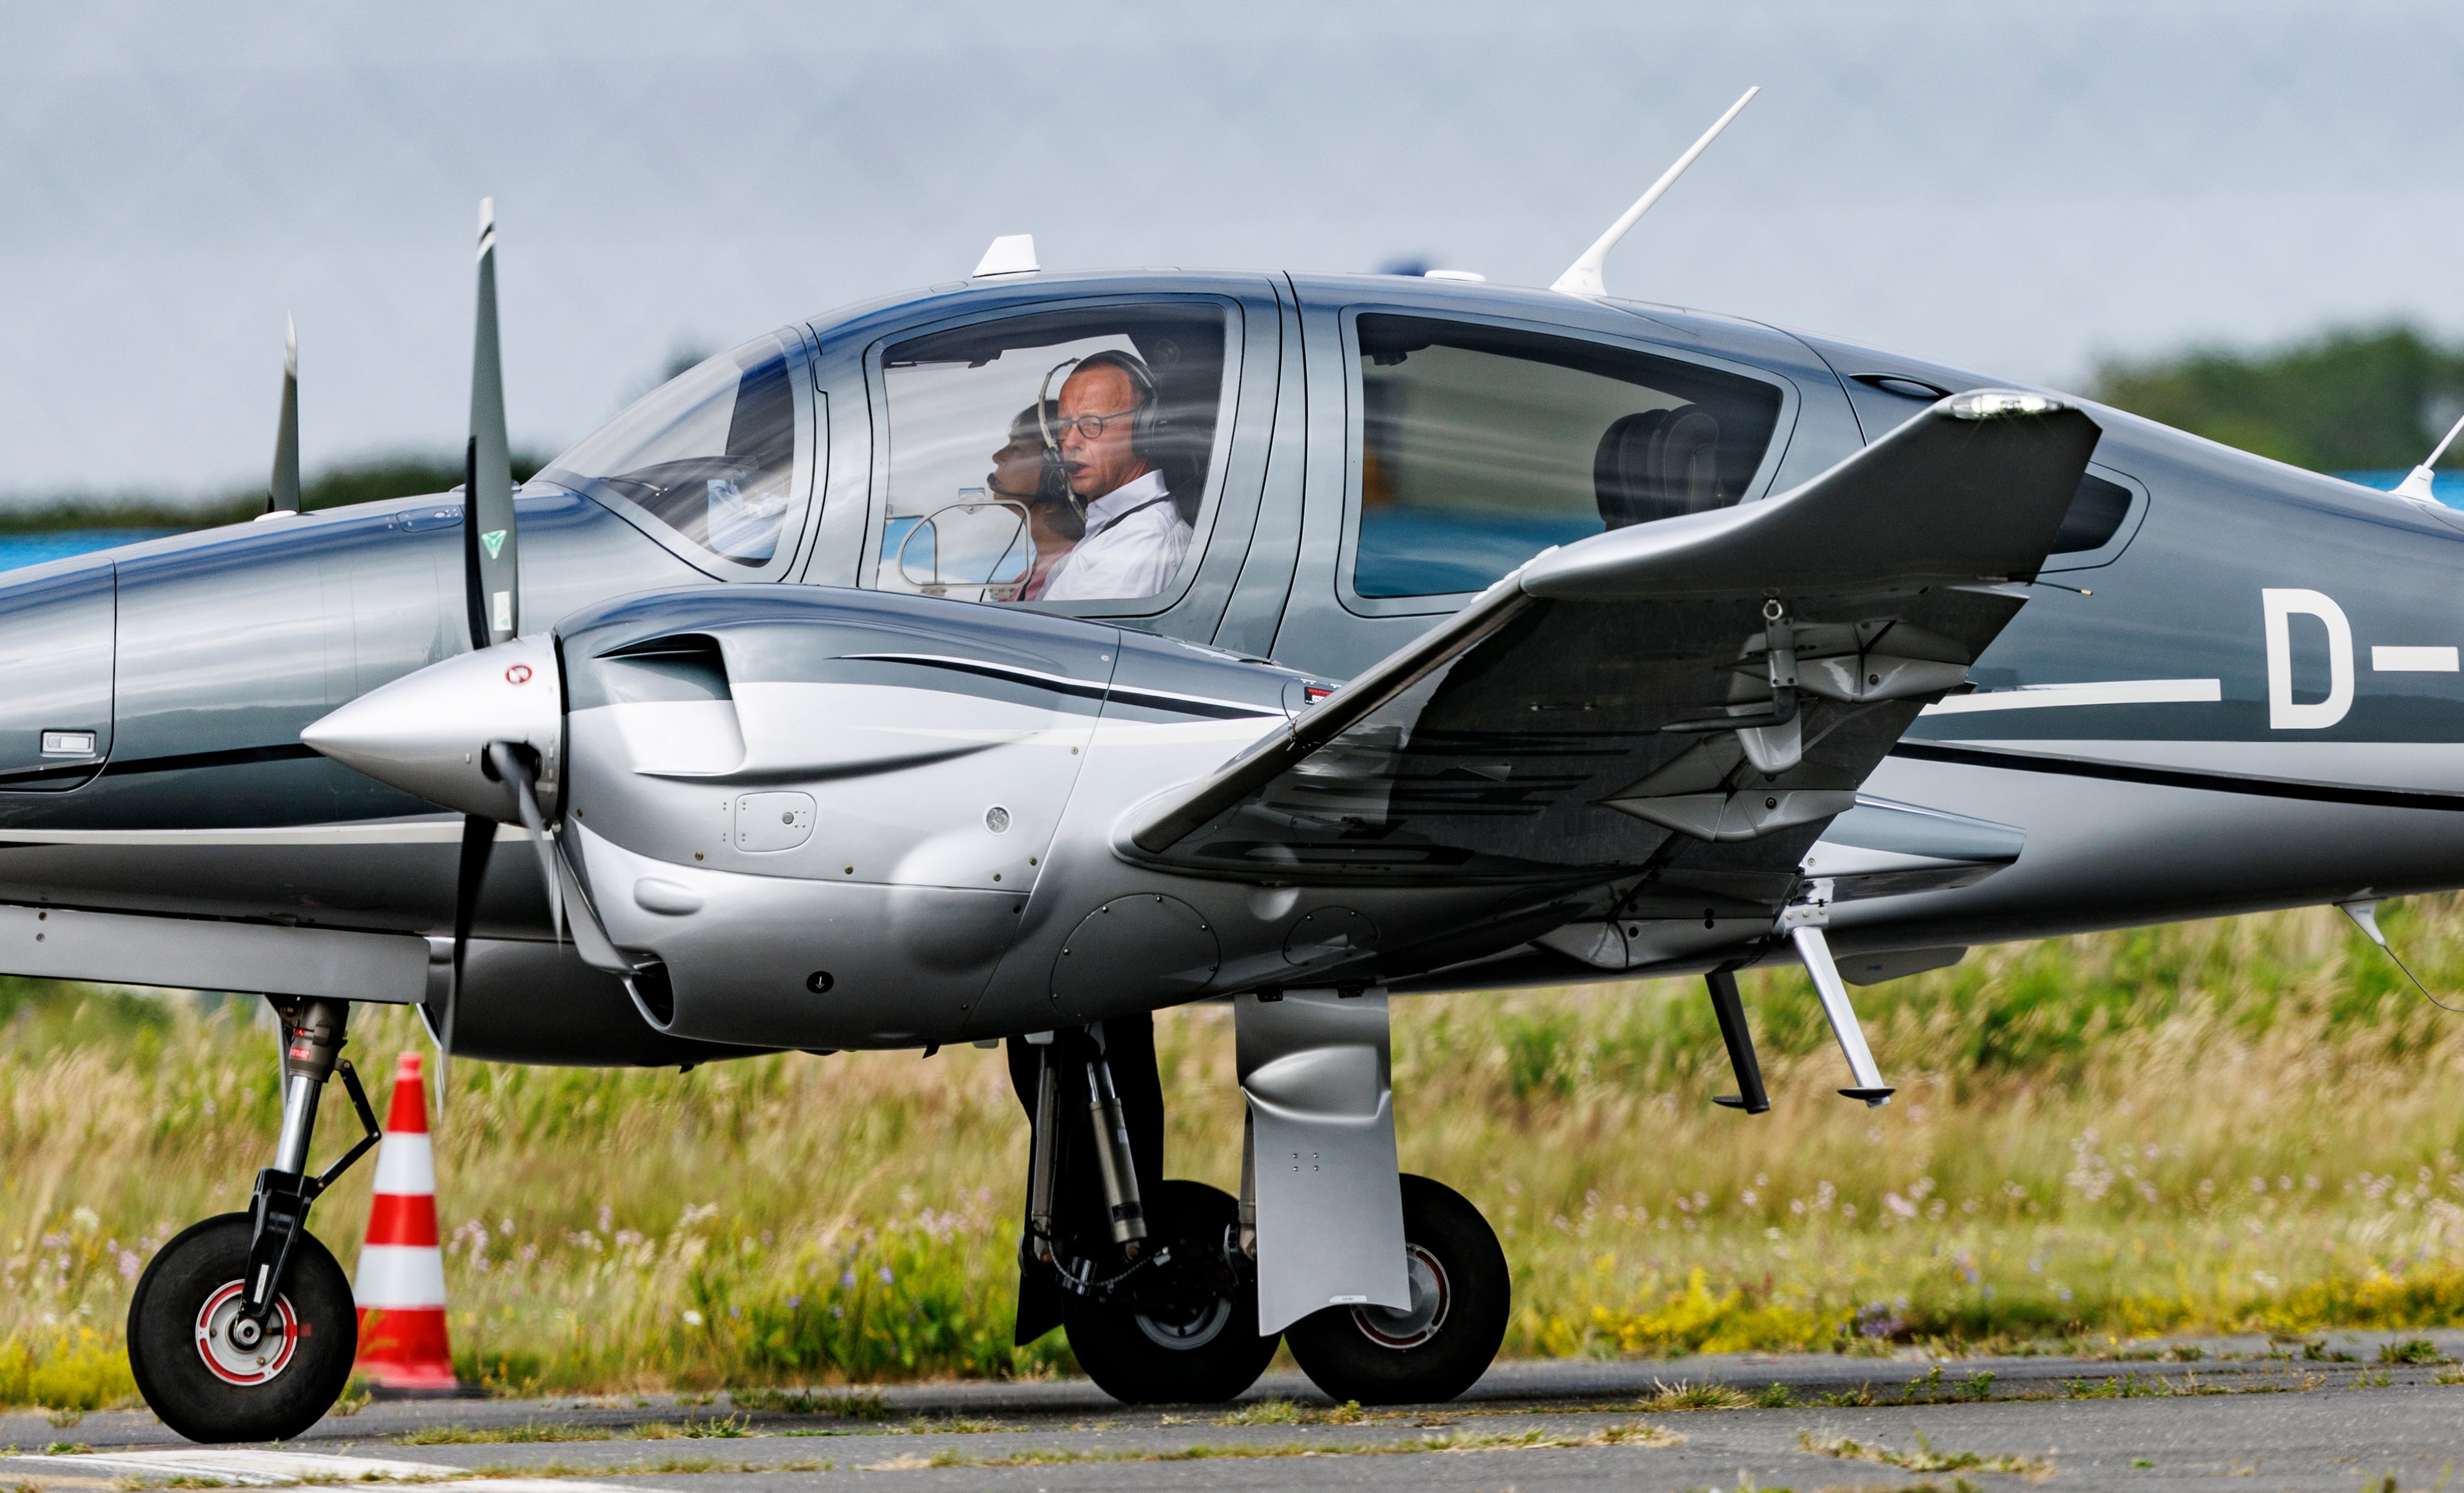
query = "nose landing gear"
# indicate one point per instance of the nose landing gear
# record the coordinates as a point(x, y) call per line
point(214, 1373)
point(242, 1328)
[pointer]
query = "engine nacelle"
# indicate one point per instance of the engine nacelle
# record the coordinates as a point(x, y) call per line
point(538, 1003)
point(820, 814)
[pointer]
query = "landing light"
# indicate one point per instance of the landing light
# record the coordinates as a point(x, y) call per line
point(1994, 404)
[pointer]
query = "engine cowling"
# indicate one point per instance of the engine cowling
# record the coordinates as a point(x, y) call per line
point(801, 818)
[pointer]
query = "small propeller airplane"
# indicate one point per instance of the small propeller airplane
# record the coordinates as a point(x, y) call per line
point(1007, 661)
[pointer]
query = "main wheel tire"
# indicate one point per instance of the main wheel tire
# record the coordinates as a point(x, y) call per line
point(1436, 1348)
point(1200, 1346)
point(203, 1385)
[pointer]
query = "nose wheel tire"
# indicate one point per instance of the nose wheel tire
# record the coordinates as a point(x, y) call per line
point(1435, 1348)
point(1190, 1335)
point(213, 1375)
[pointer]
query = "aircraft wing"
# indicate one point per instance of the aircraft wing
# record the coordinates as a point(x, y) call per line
point(1697, 695)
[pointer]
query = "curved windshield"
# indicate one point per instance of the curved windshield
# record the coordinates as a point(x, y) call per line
point(708, 454)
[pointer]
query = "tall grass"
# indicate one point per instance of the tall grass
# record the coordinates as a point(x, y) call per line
point(2248, 1124)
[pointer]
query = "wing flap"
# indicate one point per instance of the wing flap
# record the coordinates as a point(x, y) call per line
point(1534, 734)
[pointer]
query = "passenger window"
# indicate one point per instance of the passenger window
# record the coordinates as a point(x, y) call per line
point(709, 455)
point(1061, 457)
point(1483, 446)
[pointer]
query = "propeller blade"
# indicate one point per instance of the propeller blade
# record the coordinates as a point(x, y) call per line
point(478, 839)
point(282, 493)
point(524, 779)
point(491, 555)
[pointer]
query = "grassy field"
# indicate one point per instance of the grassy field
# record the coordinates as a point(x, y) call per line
point(2249, 1124)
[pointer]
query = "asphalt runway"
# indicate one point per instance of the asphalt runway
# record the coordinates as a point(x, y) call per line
point(2240, 1408)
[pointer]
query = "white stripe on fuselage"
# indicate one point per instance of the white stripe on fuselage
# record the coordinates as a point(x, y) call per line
point(2384, 660)
point(2417, 766)
point(2107, 692)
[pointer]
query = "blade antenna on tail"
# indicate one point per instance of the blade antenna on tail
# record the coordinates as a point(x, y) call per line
point(282, 492)
point(1583, 278)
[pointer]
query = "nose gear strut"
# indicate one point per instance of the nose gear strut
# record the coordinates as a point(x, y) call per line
point(312, 1047)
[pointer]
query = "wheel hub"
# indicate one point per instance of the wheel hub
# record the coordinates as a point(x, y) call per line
point(1419, 1322)
point(238, 1349)
point(1191, 1328)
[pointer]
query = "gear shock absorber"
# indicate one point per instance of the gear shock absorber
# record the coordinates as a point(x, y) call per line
point(1128, 1215)
point(1043, 1170)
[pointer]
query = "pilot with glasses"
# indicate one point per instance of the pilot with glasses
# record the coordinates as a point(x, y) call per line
point(1135, 536)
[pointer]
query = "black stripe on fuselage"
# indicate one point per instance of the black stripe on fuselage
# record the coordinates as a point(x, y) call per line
point(1149, 700)
point(1058, 684)
point(1189, 705)
point(236, 757)
point(2178, 777)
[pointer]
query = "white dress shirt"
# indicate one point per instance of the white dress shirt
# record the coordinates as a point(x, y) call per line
point(1136, 541)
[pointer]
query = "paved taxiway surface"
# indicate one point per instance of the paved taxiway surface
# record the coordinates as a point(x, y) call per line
point(2243, 1409)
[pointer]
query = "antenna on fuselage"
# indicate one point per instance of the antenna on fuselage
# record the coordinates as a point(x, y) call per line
point(2417, 483)
point(1582, 277)
point(282, 491)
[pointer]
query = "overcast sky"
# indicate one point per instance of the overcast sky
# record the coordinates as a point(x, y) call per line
point(2016, 189)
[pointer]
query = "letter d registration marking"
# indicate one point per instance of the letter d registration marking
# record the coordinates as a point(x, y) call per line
point(2283, 712)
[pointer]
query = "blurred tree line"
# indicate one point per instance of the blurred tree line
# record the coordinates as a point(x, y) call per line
point(2348, 399)
point(363, 481)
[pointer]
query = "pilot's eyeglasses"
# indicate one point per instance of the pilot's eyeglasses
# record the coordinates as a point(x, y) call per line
point(1092, 426)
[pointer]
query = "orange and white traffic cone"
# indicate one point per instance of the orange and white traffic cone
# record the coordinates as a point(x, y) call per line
point(400, 1285)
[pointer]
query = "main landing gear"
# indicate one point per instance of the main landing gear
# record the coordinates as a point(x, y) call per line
point(1160, 1304)
point(1156, 1282)
point(1444, 1341)
point(242, 1327)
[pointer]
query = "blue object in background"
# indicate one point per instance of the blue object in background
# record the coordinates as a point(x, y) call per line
point(2445, 485)
point(1401, 554)
point(33, 549)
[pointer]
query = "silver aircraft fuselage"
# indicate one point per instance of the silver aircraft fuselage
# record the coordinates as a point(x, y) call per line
point(2245, 696)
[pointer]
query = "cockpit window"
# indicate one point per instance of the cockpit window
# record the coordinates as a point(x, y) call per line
point(1482, 446)
point(1057, 457)
point(710, 455)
